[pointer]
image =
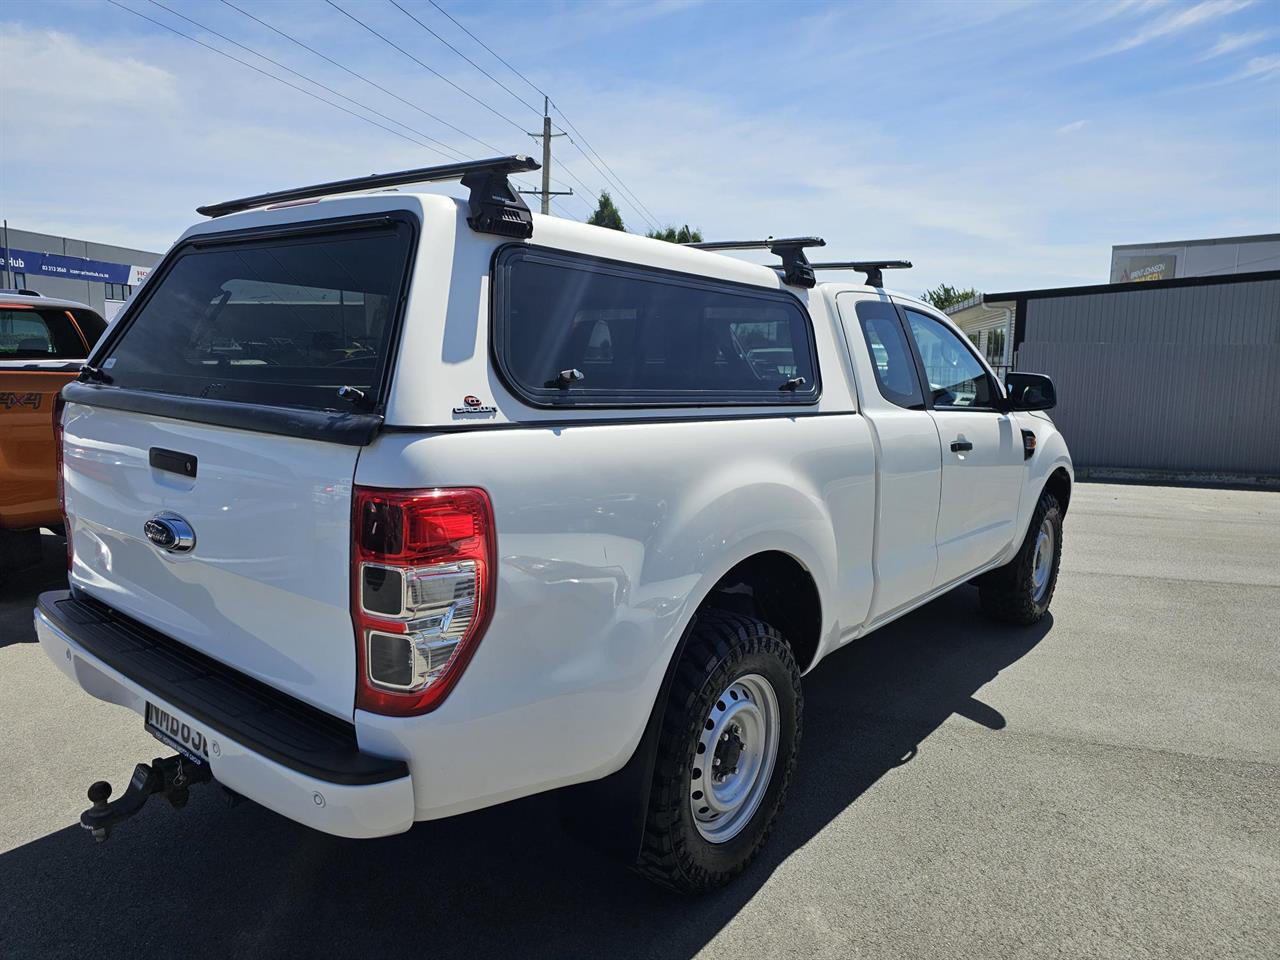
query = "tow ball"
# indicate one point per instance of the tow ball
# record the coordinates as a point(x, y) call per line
point(172, 777)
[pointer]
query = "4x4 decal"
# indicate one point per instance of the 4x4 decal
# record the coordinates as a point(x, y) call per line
point(9, 400)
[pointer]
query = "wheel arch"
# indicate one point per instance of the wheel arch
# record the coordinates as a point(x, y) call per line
point(773, 586)
point(1059, 484)
point(742, 587)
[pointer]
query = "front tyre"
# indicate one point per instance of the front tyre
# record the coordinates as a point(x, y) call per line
point(725, 754)
point(1021, 590)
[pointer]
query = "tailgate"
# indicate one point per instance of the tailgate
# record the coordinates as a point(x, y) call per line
point(209, 462)
point(265, 587)
point(28, 478)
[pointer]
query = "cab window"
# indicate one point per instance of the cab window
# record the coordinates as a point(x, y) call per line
point(956, 378)
point(891, 359)
point(34, 334)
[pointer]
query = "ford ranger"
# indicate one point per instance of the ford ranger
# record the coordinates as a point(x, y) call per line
point(385, 506)
point(43, 342)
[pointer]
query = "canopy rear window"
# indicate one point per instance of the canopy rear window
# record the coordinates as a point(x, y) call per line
point(576, 331)
point(281, 320)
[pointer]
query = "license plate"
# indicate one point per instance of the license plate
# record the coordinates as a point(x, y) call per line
point(179, 734)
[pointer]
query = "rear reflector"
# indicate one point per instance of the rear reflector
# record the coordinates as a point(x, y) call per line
point(422, 592)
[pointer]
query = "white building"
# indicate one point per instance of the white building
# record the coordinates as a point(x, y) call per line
point(989, 326)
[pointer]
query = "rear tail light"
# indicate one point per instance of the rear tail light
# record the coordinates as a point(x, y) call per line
point(423, 572)
point(58, 404)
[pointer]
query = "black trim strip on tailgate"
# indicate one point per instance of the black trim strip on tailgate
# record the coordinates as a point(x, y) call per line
point(268, 722)
point(352, 429)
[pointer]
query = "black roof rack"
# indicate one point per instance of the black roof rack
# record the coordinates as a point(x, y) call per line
point(495, 206)
point(796, 269)
point(872, 268)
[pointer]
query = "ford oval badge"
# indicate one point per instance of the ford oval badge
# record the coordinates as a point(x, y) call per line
point(168, 531)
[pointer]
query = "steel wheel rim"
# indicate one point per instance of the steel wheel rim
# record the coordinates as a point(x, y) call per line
point(1042, 564)
point(734, 758)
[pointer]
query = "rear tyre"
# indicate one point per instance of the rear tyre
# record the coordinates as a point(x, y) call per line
point(1021, 590)
point(725, 754)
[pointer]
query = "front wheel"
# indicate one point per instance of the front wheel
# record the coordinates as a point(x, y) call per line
point(1020, 591)
point(726, 753)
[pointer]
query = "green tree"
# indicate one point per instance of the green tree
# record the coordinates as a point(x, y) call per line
point(944, 296)
point(607, 214)
point(672, 235)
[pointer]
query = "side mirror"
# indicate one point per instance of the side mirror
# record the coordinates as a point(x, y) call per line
point(1030, 391)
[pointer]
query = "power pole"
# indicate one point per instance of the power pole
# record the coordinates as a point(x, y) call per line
point(546, 192)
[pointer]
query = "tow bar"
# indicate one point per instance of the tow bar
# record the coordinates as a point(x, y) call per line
point(170, 776)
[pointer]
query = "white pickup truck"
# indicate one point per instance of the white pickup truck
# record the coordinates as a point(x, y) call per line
point(385, 506)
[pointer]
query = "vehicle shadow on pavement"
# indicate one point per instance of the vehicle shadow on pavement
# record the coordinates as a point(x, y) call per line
point(209, 881)
point(49, 574)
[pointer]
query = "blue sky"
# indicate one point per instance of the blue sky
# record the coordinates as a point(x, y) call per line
point(996, 144)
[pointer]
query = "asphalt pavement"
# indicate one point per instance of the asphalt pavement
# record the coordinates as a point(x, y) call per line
point(1105, 784)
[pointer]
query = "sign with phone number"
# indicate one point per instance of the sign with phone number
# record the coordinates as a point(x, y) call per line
point(34, 262)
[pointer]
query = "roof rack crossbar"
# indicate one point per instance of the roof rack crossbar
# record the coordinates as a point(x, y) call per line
point(796, 269)
point(495, 207)
point(872, 268)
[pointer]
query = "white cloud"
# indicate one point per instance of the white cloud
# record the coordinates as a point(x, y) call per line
point(1230, 42)
point(1256, 68)
point(89, 82)
point(1268, 66)
point(126, 150)
point(1160, 25)
point(850, 149)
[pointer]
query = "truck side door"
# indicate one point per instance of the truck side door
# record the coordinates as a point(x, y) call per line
point(982, 457)
point(909, 458)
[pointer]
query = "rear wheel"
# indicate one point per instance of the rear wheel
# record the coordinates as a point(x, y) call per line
point(1021, 590)
point(725, 754)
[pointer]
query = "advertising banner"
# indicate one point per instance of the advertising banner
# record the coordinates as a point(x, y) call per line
point(1130, 269)
point(35, 263)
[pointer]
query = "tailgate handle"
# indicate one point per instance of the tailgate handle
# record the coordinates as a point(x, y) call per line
point(183, 464)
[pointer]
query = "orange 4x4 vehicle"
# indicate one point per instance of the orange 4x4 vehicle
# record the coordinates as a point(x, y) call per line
point(43, 343)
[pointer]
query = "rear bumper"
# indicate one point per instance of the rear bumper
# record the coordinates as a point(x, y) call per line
point(285, 755)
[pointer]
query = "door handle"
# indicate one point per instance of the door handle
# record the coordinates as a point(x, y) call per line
point(183, 464)
point(959, 446)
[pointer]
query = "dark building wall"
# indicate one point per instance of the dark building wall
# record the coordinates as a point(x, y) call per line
point(1181, 378)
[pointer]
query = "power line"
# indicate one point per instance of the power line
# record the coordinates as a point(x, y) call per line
point(360, 76)
point(492, 53)
point(540, 113)
point(364, 106)
point(634, 204)
point(612, 179)
point(429, 69)
point(621, 185)
point(245, 63)
point(465, 57)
